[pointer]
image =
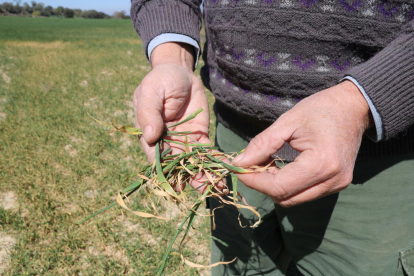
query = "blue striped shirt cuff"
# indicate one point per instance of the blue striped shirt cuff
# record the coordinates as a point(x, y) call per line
point(374, 112)
point(172, 37)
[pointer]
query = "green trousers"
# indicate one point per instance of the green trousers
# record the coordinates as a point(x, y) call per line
point(366, 229)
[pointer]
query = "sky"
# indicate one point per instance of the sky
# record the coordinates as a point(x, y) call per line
point(106, 6)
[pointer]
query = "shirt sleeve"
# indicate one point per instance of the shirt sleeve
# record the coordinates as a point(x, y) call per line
point(388, 81)
point(377, 134)
point(171, 37)
point(152, 18)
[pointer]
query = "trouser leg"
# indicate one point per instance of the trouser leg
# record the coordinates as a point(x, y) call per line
point(367, 229)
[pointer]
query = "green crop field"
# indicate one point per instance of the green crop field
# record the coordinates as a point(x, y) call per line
point(57, 165)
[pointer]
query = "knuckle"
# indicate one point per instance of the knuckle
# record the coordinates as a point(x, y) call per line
point(334, 166)
point(287, 203)
point(346, 179)
point(327, 166)
point(279, 192)
point(258, 142)
point(143, 112)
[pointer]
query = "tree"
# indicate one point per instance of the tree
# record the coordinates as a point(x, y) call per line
point(27, 8)
point(68, 13)
point(36, 14)
point(78, 12)
point(119, 15)
point(94, 14)
point(38, 7)
point(48, 10)
point(59, 11)
point(8, 7)
point(18, 9)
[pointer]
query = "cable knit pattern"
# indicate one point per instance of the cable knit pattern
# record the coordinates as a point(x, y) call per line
point(264, 56)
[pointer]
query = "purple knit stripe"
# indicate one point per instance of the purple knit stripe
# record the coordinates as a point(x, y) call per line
point(303, 66)
point(411, 14)
point(352, 7)
point(268, 1)
point(218, 76)
point(386, 12)
point(222, 52)
point(245, 91)
point(271, 98)
point(267, 62)
point(236, 56)
point(309, 3)
point(214, 1)
point(340, 66)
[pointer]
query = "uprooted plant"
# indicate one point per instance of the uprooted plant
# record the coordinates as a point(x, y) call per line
point(172, 170)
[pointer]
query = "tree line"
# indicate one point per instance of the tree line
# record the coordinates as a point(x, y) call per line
point(39, 9)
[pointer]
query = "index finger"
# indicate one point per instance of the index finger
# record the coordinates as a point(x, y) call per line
point(291, 179)
point(148, 108)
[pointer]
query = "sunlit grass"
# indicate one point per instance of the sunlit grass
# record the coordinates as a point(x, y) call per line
point(61, 165)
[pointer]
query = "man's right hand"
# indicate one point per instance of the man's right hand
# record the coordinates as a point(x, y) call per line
point(168, 94)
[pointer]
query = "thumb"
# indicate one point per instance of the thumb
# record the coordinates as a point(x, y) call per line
point(261, 147)
point(148, 113)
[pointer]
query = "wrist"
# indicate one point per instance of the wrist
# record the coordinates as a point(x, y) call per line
point(359, 103)
point(181, 54)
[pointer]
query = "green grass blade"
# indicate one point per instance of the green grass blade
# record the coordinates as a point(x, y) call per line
point(190, 117)
point(217, 239)
point(165, 152)
point(97, 213)
point(173, 163)
point(192, 144)
point(234, 181)
point(133, 186)
point(228, 166)
point(160, 175)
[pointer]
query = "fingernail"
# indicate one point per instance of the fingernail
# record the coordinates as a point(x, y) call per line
point(238, 158)
point(148, 132)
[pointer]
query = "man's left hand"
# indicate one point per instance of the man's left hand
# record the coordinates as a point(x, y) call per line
point(326, 128)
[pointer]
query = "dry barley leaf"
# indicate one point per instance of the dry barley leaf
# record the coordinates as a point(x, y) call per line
point(213, 227)
point(209, 177)
point(191, 264)
point(143, 177)
point(160, 193)
point(185, 168)
point(240, 206)
point(140, 214)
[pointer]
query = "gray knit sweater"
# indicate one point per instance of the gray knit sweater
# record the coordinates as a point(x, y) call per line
point(263, 56)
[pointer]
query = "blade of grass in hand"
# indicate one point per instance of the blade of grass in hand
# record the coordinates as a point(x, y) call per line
point(234, 183)
point(160, 175)
point(190, 117)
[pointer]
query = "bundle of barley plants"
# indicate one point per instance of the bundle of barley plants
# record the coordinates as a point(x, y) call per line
point(160, 181)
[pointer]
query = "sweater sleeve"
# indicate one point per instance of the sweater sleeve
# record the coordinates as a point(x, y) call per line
point(154, 17)
point(388, 80)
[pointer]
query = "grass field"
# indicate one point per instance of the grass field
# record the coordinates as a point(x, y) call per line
point(57, 165)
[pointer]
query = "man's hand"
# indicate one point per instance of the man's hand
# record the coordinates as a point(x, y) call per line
point(167, 95)
point(326, 128)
